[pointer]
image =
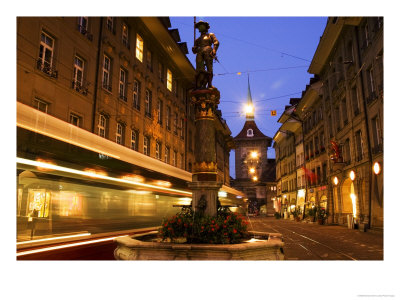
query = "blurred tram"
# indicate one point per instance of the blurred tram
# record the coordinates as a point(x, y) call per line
point(67, 192)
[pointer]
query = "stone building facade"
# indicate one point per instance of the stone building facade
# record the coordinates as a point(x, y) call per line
point(125, 79)
point(341, 117)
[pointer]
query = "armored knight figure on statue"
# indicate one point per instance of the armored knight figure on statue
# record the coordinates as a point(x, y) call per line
point(205, 55)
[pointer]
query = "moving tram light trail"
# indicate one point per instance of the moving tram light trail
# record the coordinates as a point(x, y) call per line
point(61, 208)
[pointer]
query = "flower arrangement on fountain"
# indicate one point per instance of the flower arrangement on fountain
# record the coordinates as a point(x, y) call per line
point(186, 226)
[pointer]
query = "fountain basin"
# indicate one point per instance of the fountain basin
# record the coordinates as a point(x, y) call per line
point(263, 246)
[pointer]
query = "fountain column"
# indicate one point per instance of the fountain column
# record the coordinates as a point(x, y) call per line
point(204, 179)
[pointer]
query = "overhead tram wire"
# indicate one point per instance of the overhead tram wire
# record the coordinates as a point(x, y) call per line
point(256, 45)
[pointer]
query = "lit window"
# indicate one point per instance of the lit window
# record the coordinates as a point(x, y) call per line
point(78, 73)
point(136, 90)
point(102, 126)
point(122, 84)
point(169, 80)
point(139, 47)
point(40, 105)
point(107, 73)
point(125, 35)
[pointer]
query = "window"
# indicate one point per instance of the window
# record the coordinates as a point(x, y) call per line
point(149, 60)
point(136, 94)
point(182, 161)
point(166, 155)
point(46, 51)
point(182, 128)
point(355, 101)
point(110, 23)
point(168, 118)
point(366, 34)
point(125, 35)
point(107, 73)
point(102, 125)
point(359, 146)
point(350, 53)
point(176, 123)
point(250, 132)
point(78, 73)
point(158, 150)
point(147, 103)
point(174, 156)
point(169, 80)
point(134, 140)
point(40, 105)
point(376, 134)
point(119, 135)
point(161, 72)
point(371, 85)
point(139, 47)
point(122, 85)
point(146, 145)
point(160, 112)
point(75, 120)
point(83, 24)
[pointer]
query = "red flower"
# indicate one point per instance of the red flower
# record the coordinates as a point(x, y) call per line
point(234, 230)
point(212, 229)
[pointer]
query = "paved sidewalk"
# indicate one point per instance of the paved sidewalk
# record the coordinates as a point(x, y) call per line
point(310, 241)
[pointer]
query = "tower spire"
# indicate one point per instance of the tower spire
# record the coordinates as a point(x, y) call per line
point(249, 104)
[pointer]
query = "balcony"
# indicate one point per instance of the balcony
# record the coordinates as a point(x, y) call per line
point(80, 87)
point(46, 68)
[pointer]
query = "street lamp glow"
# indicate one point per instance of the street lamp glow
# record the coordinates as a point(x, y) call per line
point(254, 154)
point(352, 175)
point(255, 178)
point(252, 170)
point(377, 168)
point(335, 180)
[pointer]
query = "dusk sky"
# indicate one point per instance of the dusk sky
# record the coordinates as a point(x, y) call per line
point(274, 51)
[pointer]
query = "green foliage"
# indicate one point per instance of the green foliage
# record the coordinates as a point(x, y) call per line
point(311, 212)
point(296, 212)
point(321, 213)
point(225, 228)
point(277, 215)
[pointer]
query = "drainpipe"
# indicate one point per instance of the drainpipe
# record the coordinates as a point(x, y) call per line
point(367, 132)
point(96, 82)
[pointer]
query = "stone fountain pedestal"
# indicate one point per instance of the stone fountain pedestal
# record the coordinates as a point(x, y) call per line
point(268, 247)
point(204, 179)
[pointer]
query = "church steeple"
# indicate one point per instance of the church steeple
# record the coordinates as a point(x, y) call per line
point(249, 104)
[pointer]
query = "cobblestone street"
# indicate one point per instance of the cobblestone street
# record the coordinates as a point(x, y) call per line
point(310, 241)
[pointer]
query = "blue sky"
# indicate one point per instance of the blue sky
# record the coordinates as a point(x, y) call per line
point(276, 53)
